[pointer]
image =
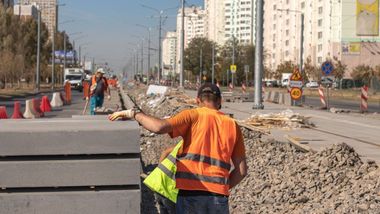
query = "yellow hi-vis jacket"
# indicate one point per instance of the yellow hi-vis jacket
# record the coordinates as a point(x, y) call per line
point(162, 178)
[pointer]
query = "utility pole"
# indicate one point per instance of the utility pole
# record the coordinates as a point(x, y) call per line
point(259, 54)
point(200, 67)
point(233, 60)
point(53, 54)
point(182, 45)
point(159, 49)
point(64, 50)
point(302, 40)
point(38, 51)
point(142, 56)
point(213, 64)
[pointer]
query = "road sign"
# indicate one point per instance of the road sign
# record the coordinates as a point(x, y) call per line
point(327, 68)
point(296, 93)
point(296, 84)
point(296, 76)
point(233, 69)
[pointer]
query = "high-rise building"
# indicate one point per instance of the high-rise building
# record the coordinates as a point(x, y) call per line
point(230, 19)
point(215, 21)
point(49, 13)
point(7, 3)
point(239, 16)
point(169, 53)
point(195, 20)
point(332, 29)
point(26, 11)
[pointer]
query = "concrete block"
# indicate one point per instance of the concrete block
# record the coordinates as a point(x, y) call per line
point(267, 96)
point(276, 97)
point(281, 98)
point(156, 89)
point(287, 99)
point(69, 173)
point(83, 202)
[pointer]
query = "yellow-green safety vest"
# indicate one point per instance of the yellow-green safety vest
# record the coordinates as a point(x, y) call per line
point(162, 178)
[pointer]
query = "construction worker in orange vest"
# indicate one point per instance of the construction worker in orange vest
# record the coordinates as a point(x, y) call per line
point(211, 142)
point(98, 88)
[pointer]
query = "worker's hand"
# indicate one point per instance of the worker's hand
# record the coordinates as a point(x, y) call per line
point(109, 97)
point(87, 98)
point(127, 114)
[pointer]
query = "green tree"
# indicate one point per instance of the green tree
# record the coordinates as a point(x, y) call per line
point(311, 71)
point(339, 68)
point(365, 73)
point(192, 57)
point(285, 67)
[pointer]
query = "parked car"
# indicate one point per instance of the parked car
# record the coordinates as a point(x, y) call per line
point(312, 84)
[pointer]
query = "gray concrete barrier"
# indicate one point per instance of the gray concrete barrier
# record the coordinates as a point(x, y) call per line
point(267, 96)
point(69, 166)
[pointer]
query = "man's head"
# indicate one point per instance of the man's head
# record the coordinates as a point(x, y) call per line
point(99, 72)
point(209, 95)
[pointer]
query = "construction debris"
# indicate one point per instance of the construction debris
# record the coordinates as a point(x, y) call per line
point(286, 120)
point(281, 178)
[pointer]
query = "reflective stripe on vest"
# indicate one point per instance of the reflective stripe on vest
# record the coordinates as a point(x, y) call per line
point(167, 172)
point(205, 159)
point(162, 178)
point(210, 179)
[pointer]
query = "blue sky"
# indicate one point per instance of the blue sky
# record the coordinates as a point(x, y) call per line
point(109, 27)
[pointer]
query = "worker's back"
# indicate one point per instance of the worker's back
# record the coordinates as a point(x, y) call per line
point(209, 142)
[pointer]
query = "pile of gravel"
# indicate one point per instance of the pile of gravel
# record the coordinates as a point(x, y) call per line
point(280, 178)
point(284, 180)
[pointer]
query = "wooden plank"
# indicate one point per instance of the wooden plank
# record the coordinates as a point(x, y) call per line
point(298, 145)
point(115, 202)
point(70, 142)
point(69, 173)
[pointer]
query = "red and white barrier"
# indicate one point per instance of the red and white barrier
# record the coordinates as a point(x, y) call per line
point(322, 97)
point(244, 88)
point(364, 100)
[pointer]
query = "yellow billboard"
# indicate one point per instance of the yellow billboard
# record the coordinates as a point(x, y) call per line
point(351, 48)
point(367, 17)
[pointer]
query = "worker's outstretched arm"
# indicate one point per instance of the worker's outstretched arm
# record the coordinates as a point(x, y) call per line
point(153, 124)
point(239, 172)
point(150, 123)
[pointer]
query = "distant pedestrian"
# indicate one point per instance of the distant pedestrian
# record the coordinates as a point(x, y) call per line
point(211, 142)
point(98, 89)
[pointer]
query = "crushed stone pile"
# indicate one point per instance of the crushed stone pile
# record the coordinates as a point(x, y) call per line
point(281, 179)
point(284, 180)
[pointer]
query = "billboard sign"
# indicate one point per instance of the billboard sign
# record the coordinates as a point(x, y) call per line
point(367, 17)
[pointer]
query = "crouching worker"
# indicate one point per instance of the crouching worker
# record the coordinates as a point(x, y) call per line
point(211, 142)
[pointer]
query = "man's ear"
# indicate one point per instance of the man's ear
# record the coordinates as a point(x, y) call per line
point(198, 100)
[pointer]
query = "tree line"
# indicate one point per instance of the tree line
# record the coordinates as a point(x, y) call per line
point(198, 59)
point(18, 49)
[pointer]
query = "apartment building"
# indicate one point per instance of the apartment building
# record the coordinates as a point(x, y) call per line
point(332, 28)
point(169, 53)
point(195, 22)
point(49, 13)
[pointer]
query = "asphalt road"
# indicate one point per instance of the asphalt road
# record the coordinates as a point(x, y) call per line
point(342, 104)
point(75, 108)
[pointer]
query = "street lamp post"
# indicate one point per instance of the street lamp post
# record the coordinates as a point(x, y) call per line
point(213, 64)
point(259, 67)
point(149, 31)
point(38, 52)
point(182, 45)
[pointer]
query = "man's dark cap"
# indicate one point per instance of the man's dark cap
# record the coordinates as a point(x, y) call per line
point(209, 88)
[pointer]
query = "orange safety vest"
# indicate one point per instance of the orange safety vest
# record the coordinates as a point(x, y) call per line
point(204, 163)
point(93, 82)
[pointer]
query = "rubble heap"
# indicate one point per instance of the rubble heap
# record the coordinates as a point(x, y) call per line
point(281, 179)
point(286, 120)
